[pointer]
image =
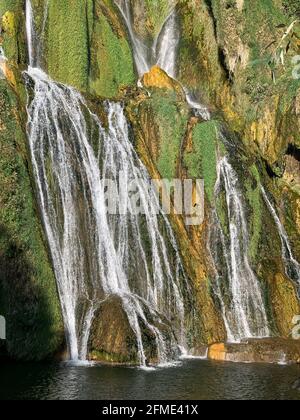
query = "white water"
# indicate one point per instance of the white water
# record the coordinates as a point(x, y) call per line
point(30, 32)
point(163, 52)
point(166, 45)
point(292, 265)
point(240, 295)
point(96, 255)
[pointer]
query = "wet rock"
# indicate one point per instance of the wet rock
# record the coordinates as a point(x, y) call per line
point(158, 78)
point(271, 350)
point(113, 340)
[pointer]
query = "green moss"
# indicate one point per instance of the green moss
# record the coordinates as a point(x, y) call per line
point(112, 61)
point(171, 120)
point(292, 7)
point(201, 163)
point(29, 299)
point(11, 5)
point(103, 356)
point(198, 40)
point(11, 15)
point(68, 36)
point(157, 11)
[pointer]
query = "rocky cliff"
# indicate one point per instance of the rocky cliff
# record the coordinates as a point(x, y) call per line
point(239, 59)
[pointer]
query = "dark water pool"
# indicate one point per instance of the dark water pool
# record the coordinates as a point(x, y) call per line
point(193, 379)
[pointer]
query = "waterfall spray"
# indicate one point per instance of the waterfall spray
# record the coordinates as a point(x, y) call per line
point(292, 265)
point(240, 296)
point(163, 52)
point(96, 255)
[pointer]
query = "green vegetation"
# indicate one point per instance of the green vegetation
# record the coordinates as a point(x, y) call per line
point(112, 61)
point(69, 26)
point(201, 163)
point(292, 7)
point(12, 33)
point(156, 12)
point(171, 122)
point(11, 5)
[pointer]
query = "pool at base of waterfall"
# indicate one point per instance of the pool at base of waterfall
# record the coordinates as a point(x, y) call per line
point(189, 380)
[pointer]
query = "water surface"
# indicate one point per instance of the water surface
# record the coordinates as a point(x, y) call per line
point(191, 380)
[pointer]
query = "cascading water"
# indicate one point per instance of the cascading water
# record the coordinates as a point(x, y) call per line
point(96, 255)
point(166, 44)
point(163, 52)
point(236, 287)
point(292, 265)
point(30, 32)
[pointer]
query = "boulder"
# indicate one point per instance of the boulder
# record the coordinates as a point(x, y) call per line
point(112, 339)
point(158, 78)
point(269, 350)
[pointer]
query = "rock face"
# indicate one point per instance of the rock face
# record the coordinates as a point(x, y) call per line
point(157, 78)
point(273, 350)
point(112, 338)
point(236, 56)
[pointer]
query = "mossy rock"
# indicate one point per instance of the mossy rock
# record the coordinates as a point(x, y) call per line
point(201, 160)
point(13, 31)
point(112, 65)
point(113, 340)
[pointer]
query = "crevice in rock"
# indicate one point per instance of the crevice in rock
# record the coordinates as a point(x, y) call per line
point(271, 173)
point(294, 152)
point(292, 165)
point(211, 14)
point(221, 54)
point(222, 61)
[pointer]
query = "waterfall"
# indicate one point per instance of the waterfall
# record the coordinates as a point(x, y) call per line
point(166, 44)
point(237, 288)
point(140, 50)
point(30, 32)
point(292, 265)
point(163, 52)
point(96, 254)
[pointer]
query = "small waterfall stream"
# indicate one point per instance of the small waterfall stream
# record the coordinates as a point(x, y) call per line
point(30, 32)
point(163, 52)
point(236, 285)
point(292, 265)
point(95, 254)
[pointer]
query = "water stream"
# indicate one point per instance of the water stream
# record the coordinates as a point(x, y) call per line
point(236, 286)
point(96, 255)
point(291, 264)
point(163, 51)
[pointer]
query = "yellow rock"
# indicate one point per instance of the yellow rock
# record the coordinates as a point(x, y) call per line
point(8, 22)
point(158, 78)
point(217, 352)
point(8, 73)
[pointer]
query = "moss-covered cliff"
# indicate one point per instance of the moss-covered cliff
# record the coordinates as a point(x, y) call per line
point(238, 58)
